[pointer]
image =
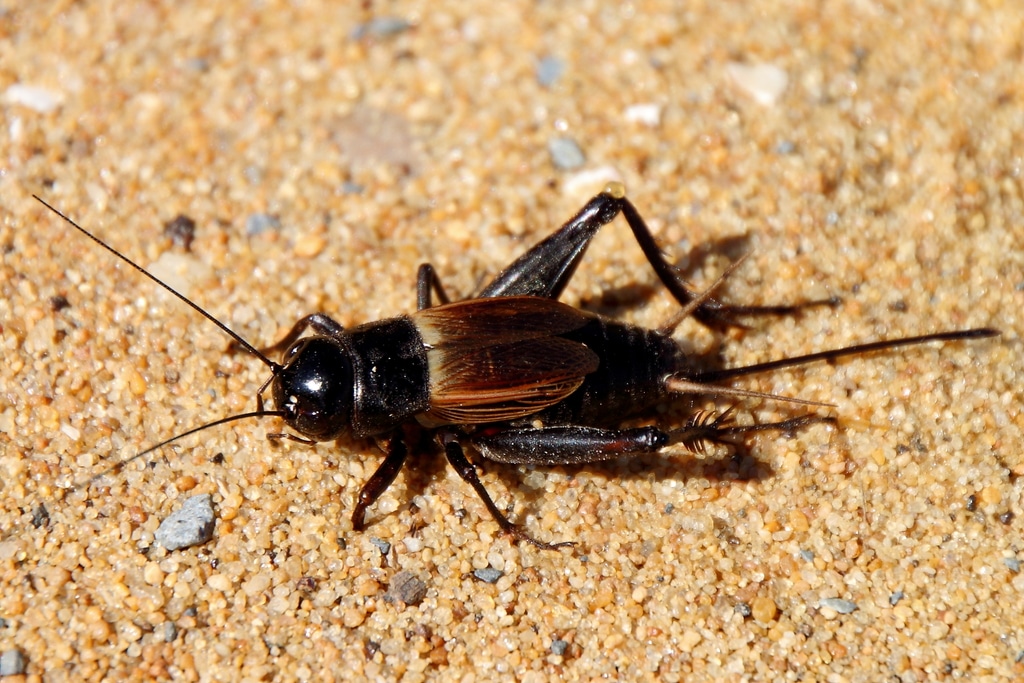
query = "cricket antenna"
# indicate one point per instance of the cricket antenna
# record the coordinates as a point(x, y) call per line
point(274, 367)
point(833, 354)
point(117, 466)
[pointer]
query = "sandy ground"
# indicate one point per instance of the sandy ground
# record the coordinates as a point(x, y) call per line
point(856, 149)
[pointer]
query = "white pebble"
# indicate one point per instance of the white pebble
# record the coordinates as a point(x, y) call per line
point(590, 180)
point(648, 114)
point(35, 98)
point(191, 525)
point(765, 83)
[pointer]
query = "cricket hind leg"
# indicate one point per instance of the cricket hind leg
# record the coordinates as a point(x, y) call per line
point(566, 444)
point(428, 282)
point(711, 312)
point(580, 445)
point(546, 268)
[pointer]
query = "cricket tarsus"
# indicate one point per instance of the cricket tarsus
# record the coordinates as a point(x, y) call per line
point(513, 373)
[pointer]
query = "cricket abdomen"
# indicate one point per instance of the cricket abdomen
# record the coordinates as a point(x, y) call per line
point(634, 363)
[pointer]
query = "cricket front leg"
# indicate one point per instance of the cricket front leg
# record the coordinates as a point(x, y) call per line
point(376, 485)
point(321, 324)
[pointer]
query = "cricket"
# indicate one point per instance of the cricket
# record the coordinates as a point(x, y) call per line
point(511, 374)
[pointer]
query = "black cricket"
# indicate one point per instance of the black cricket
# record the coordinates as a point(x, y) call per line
point(512, 373)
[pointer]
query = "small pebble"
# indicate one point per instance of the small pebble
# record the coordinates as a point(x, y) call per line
point(12, 663)
point(763, 609)
point(488, 574)
point(586, 179)
point(646, 114)
point(1012, 563)
point(406, 587)
point(40, 516)
point(689, 640)
point(839, 605)
point(197, 64)
point(764, 83)
point(383, 546)
point(549, 70)
point(181, 230)
point(990, 495)
point(259, 223)
point(35, 98)
point(558, 647)
point(785, 147)
point(565, 153)
point(309, 246)
point(807, 555)
point(191, 525)
point(168, 631)
point(413, 544)
point(380, 27)
point(895, 598)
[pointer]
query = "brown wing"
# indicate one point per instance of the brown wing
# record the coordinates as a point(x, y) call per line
point(482, 322)
point(501, 359)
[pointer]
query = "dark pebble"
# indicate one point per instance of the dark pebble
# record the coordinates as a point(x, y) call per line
point(182, 230)
point(406, 587)
point(488, 574)
point(383, 546)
